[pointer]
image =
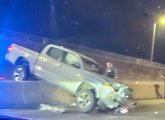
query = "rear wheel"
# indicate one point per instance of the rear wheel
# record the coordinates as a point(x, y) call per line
point(21, 73)
point(86, 101)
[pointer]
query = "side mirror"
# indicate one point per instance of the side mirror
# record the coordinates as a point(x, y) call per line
point(76, 65)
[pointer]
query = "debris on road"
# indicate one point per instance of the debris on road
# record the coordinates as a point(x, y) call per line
point(57, 109)
point(72, 104)
point(123, 110)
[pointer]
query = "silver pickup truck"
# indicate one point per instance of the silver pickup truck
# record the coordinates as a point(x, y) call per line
point(70, 70)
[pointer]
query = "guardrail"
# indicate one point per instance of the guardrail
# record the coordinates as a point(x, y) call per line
point(32, 39)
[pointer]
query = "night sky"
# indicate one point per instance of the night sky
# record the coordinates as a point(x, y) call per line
point(119, 26)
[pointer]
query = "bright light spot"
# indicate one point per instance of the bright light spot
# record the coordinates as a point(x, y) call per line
point(156, 112)
point(79, 76)
point(38, 67)
point(137, 82)
point(162, 20)
point(26, 55)
point(105, 84)
point(9, 49)
point(123, 110)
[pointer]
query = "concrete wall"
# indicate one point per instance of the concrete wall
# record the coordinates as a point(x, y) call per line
point(31, 94)
point(144, 80)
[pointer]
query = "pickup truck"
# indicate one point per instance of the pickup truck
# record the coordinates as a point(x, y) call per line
point(70, 70)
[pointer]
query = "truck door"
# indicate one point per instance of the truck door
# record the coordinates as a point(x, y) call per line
point(71, 72)
point(54, 66)
point(48, 64)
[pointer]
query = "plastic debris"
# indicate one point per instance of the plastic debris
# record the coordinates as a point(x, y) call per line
point(121, 110)
point(57, 109)
point(72, 104)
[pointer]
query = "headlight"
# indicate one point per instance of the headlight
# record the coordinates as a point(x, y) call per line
point(106, 84)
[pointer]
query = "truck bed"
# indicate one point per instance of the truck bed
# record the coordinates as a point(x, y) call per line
point(34, 46)
point(21, 51)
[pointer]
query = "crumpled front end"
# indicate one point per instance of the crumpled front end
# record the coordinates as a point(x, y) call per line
point(108, 102)
point(123, 94)
point(114, 97)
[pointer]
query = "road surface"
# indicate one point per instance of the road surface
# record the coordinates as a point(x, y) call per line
point(146, 109)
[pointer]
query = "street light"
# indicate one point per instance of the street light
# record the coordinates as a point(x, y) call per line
point(161, 21)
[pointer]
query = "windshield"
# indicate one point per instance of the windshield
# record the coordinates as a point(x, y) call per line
point(91, 66)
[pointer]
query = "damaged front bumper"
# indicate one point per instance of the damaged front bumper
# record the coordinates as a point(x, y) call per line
point(107, 102)
point(114, 99)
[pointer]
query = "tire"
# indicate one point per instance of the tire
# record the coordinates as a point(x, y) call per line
point(21, 73)
point(86, 101)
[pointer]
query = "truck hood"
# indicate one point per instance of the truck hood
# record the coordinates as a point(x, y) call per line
point(93, 77)
point(97, 78)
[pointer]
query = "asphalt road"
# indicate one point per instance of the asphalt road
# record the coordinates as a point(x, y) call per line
point(44, 115)
point(146, 109)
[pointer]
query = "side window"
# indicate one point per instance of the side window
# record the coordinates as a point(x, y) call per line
point(72, 59)
point(55, 53)
point(91, 66)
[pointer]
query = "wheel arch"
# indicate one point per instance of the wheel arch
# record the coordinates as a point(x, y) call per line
point(22, 61)
point(87, 86)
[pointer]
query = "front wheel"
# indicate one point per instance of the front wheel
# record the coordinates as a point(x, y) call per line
point(20, 73)
point(86, 101)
